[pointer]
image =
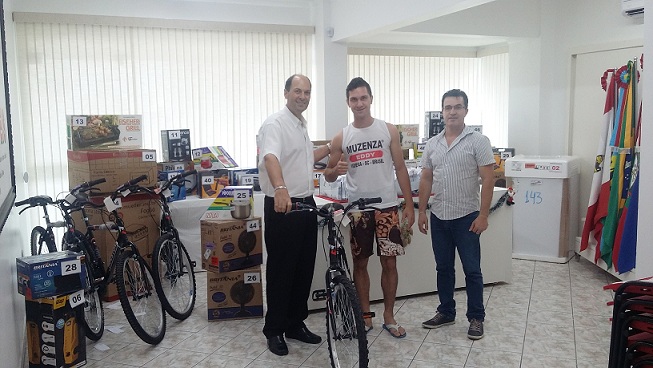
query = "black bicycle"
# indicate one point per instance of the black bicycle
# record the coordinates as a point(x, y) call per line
point(132, 275)
point(42, 239)
point(346, 336)
point(172, 267)
point(84, 243)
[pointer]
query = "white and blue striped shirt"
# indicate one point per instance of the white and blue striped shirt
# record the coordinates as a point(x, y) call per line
point(456, 172)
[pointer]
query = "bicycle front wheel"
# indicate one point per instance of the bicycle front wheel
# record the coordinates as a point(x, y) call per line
point(40, 241)
point(174, 276)
point(346, 335)
point(139, 298)
point(93, 312)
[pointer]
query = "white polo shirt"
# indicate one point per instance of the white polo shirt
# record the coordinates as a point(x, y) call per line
point(285, 136)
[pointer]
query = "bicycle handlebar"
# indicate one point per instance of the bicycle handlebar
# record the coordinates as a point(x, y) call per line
point(177, 179)
point(127, 185)
point(361, 203)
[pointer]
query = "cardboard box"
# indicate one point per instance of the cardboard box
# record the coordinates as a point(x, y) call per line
point(229, 245)
point(175, 145)
point(116, 166)
point(235, 294)
point(177, 192)
point(500, 156)
point(211, 182)
point(86, 132)
point(191, 181)
point(55, 332)
point(408, 135)
point(336, 190)
point(141, 214)
point(317, 175)
point(50, 274)
point(433, 123)
point(211, 158)
point(220, 209)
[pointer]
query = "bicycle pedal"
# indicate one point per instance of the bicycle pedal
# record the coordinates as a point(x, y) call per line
point(319, 295)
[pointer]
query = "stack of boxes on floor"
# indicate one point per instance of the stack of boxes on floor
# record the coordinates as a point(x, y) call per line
point(109, 147)
point(232, 254)
point(54, 308)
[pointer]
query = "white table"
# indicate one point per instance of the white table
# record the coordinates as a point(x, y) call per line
point(416, 268)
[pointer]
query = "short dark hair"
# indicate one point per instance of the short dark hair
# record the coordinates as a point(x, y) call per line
point(289, 81)
point(356, 83)
point(455, 93)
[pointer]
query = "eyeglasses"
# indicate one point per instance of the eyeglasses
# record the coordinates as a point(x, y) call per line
point(458, 107)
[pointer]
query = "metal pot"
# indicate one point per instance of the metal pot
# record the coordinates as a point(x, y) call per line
point(240, 210)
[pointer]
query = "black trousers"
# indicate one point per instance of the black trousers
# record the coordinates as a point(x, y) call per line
point(291, 243)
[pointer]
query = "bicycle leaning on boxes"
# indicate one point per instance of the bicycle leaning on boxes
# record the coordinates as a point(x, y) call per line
point(172, 267)
point(346, 336)
point(128, 269)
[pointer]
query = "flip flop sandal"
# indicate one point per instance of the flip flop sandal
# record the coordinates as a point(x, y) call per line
point(368, 315)
point(396, 327)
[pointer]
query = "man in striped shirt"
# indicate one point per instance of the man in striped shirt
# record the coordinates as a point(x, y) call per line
point(452, 163)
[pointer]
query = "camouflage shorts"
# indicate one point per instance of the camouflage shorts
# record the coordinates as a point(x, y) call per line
point(381, 225)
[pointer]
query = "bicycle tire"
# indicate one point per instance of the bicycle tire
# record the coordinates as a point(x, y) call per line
point(39, 237)
point(93, 311)
point(346, 336)
point(176, 286)
point(139, 299)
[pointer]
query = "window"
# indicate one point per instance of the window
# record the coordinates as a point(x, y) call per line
point(405, 87)
point(220, 84)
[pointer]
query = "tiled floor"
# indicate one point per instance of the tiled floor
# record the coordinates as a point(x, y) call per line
point(552, 315)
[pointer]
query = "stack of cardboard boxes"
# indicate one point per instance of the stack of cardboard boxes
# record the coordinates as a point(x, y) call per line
point(232, 254)
point(54, 307)
point(109, 147)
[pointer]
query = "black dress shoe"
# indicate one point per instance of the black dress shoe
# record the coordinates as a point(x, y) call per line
point(304, 335)
point(277, 345)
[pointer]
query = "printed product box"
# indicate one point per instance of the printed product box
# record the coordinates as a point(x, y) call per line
point(176, 192)
point(433, 123)
point(235, 294)
point(55, 332)
point(101, 131)
point(317, 175)
point(220, 209)
point(116, 166)
point(141, 214)
point(50, 274)
point(229, 245)
point(191, 181)
point(211, 158)
point(336, 190)
point(500, 156)
point(211, 182)
point(175, 145)
point(408, 135)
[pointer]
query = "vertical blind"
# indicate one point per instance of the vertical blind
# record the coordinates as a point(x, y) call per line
point(219, 84)
point(405, 87)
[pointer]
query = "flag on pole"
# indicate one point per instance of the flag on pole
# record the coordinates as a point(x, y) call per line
point(601, 179)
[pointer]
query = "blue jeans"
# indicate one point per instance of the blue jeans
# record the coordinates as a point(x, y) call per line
point(446, 237)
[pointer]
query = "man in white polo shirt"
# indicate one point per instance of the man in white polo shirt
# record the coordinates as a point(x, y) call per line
point(286, 158)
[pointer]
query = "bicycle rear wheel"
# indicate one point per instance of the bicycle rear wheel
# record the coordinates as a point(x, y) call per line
point(40, 241)
point(174, 276)
point(139, 298)
point(346, 335)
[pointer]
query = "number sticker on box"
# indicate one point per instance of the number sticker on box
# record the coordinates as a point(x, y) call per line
point(248, 180)
point(253, 225)
point(241, 194)
point(252, 277)
point(173, 134)
point(149, 156)
point(197, 153)
point(79, 121)
point(207, 180)
point(71, 267)
point(76, 299)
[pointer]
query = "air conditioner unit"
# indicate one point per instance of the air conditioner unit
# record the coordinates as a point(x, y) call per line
point(632, 8)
